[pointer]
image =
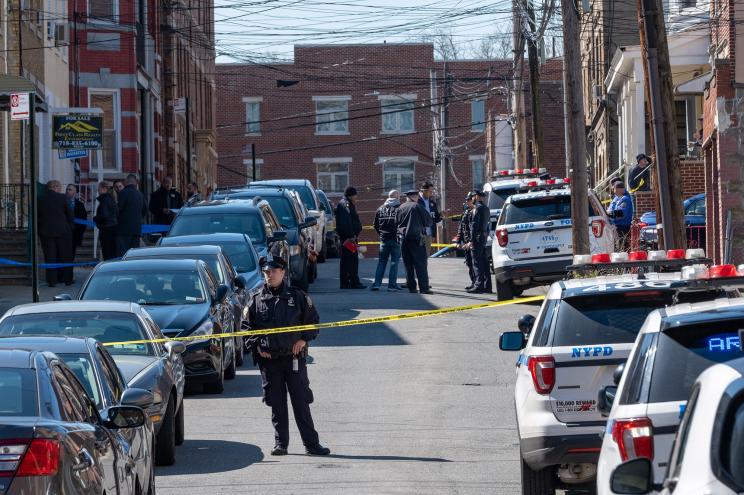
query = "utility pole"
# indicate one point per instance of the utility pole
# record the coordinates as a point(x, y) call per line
point(446, 161)
point(253, 161)
point(520, 131)
point(663, 123)
point(576, 143)
point(534, 67)
point(188, 142)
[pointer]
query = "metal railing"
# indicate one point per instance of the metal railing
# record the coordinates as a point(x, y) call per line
point(14, 206)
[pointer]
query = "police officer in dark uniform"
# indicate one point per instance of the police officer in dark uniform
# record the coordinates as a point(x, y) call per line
point(413, 220)
point(281, 357)
point(478, 238)
point(463, 236)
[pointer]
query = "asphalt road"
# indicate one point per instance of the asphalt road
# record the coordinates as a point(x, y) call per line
point(416, 406)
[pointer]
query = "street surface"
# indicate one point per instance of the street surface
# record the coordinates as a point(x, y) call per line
point(416, 406)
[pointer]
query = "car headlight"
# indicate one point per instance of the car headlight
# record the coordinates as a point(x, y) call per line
point(294, 250)
point(206, 328)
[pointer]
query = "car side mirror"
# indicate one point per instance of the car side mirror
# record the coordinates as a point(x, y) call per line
point(240, 282)
point(221, 293)
point(618, 373)
point(279, 235)
point(62, 297)
point(309, 222)
point(138, 397)
point(124, 417)
point(634, 477)
point(512, 341)
point(605, 399)
point(175, 347)
point(315, 213)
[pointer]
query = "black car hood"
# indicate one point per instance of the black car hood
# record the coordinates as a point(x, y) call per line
point(181, 317)
point(130, 366)
point(254, 280)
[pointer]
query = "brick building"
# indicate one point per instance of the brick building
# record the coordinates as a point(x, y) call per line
point(370, 116)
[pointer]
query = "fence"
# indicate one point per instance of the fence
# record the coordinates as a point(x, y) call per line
point(648, 239)
point(14, 206)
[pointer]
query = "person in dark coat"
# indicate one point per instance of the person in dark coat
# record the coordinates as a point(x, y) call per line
point(55, 232)
point(282, 357)
point(129, 223)
point(463, 236)
point(426, 200)
point(348, 228)
point(386, 226)
point(639, 176)
point(478, 238)
point(106, 220)
point(413, 220)
point(163, 201)
point(79, 213)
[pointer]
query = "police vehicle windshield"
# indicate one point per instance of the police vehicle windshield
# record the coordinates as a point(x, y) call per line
point(213, 223)
point(538, 209)
point(497, 197)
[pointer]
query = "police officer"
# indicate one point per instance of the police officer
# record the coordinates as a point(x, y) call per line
point(620, 212)
point(478, 237)
point(463, 236)
point(281, 357)
point(639, 176)
point(413, 220)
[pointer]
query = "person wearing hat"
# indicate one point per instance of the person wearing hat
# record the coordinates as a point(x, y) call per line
point(282, 357)
point(387, 228)
point(620, 212)
point(426, 200)
point(348, 227)
point(413, 220)
point(463, 236)
point(478, 237)
point(639, 176)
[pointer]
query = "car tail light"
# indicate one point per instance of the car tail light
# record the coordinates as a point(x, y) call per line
point(638, 256)
point(542, 369)
point(10, 457)
point(634, 438)
point(598, 228)
point(676, 254)
point(502, 235)
point(41, 458)
point(601, 258)
point(723, 271)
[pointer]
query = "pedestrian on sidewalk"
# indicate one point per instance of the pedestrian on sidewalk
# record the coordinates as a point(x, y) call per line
point(131, 209)
point(386, 226)
point(164, 201)
point(478, 237)
point(79, 213)
point(348, 228)
point(282, 357)
point(463, 236)
point(426, 200)
point(55, 232)
point(106, 221)
point(413, 220)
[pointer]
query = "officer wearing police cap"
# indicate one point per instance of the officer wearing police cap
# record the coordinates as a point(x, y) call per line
point(463, 236)
point(478, 237)
point(281, 357)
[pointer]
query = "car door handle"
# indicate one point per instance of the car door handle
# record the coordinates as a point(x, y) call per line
point(85, 461)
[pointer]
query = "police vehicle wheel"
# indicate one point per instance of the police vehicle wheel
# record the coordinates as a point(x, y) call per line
point(230, 370)
point(504, 291)
point(180, 426)
point(165, 444)
point(540, 482)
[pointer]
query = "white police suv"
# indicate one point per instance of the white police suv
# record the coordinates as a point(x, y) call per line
point(674, 346)
point(708, 452)
point(534, 241)
point(583, 331)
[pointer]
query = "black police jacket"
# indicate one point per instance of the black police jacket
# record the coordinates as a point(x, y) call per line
point(162, 199)
point(385, 220)
point(463, 230)
point(348, 224)
point(412, 219)
point(289, 307)
point(479, 224)
point(131, 208)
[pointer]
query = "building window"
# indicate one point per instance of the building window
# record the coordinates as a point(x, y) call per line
point(397, 114)
point(478, 115)
point(253, 114)
point(478, 167)
point(398, 174)
point(103, 10)
point(331, 115)
point(249, 169)
point(333, 176)
point(108, 101)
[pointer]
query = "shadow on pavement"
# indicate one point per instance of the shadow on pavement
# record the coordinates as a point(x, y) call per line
point(384, 458)
point(211, 456)
point(242, 386)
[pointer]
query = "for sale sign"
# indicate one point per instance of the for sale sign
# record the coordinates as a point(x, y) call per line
point(20, 107)
point(78, 131)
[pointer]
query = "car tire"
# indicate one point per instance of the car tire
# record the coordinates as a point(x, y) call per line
point(165, 444)
point(180, 426)
point(230, 370)
point(504, 290)
point(216, 386)
point(239, 351)
point(540, 482)
point(323, 254)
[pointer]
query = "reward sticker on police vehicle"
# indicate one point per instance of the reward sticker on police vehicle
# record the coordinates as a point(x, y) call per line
point(575, 406)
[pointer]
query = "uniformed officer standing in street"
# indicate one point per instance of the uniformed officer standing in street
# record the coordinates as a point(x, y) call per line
point(413, 220)
point(463, 236)
point(478, 237)
point(281, 357)
point(621, 213)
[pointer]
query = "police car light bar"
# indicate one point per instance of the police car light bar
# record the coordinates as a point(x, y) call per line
point(672, 260)
point(521, 172)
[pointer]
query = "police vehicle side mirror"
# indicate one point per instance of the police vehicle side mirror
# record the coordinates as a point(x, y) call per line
point(512, 341)
point(618, 373)
point(220, 295)
point(605, 400)
point(632, 477)
point(63, 297)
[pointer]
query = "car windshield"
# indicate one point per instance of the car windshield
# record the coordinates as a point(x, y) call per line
point(19, 392)
point(306, 195)
point(146, 287)
point(248, 223)
point(241, 256)
point(102, 326)
point(599, 319)
point(209, 259)
point(538, 209)
point(82, 366)
point(685, 352)
point(325, 205)
point(497, 197)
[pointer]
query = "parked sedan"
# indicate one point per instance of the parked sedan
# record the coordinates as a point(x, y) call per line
point(68, 424)
point(150, 366)
point(185, 300)
point(694, 224)
point(333, 242)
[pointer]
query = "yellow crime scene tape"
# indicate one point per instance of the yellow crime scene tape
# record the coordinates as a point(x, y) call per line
point(370, 243)
point(336, 324)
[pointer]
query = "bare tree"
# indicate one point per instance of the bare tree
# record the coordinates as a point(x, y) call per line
point(496, 46)
point(445, 47)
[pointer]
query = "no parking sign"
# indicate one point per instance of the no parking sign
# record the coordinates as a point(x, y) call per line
point(20, 109)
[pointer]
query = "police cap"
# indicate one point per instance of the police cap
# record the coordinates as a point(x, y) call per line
point(274, 262)
point(480, 194)
point(412, 192)
point(470, 195)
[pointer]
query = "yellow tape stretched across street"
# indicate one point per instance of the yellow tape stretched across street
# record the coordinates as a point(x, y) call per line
point(336, 324)
point(370, 243)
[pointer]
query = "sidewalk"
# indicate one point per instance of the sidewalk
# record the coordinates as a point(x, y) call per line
point(13, 295)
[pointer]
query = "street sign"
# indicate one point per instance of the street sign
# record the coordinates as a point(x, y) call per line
point(65, 154)
point(77, 132)
point(19, 106)
point(179, 105)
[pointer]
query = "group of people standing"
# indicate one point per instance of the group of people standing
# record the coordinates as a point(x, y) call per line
point(472, 236)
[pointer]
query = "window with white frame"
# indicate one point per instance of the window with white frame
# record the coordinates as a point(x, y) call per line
point(398, 174)
point(331, 114)
point(478, 115)
point(108, 101)
point(333, 174)
point(397, 114)
point(104, 10)
point(253, 114)
point(249, 169)
point(478, 168)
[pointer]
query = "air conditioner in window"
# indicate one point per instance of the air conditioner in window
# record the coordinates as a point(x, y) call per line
point(61, 35)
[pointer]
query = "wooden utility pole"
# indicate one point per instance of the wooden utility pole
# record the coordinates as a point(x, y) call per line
point(534, 67)
point(520, 131)
point(576, 143)
point(663, 126)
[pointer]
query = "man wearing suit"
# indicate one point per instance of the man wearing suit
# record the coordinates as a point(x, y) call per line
point(131, 210)
point(55, 232)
